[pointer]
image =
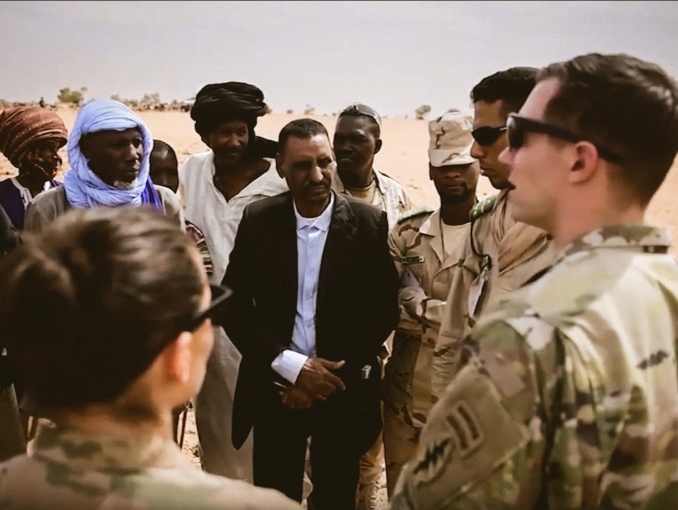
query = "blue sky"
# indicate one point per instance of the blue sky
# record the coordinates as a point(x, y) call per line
point(394, 56)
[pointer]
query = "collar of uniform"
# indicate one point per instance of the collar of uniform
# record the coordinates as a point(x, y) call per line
point(431, 226)
point(340, 187)
point(379, 179)
point(105, 452)
point(643, 237)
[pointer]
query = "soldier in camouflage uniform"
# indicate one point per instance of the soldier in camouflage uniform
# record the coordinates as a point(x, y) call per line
point(107, 316)
point(502, 253)
point(356, 142)
point(427, 246)
point(568, 397)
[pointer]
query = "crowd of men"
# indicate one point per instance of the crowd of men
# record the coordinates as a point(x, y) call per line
point(513, 352)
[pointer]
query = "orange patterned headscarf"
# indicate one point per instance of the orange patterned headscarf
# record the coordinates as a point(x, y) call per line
point(22, 126)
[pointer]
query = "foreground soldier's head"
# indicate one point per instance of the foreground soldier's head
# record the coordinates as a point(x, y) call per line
point(592, 144)
point(103, 316)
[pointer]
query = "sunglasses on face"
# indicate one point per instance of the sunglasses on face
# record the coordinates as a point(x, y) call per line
point(214, 311)
point(518, 126)
point(487, 135)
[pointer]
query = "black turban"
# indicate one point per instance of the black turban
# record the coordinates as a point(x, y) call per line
point(220, 102)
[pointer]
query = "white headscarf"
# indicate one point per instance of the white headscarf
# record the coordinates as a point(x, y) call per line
point(84, 189)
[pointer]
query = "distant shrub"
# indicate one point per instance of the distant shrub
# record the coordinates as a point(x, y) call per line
point(422, 111)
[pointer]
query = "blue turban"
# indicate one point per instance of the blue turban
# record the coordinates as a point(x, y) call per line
point(85, 189)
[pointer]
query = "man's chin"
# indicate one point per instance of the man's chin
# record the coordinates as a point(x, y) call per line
point(501, 184)
point(124, 185)
point(346, 167)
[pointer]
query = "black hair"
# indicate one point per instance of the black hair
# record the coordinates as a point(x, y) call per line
point(160, 148)
point(624, 104)
point(87, 305)
point(511, 86)
point(301, 128)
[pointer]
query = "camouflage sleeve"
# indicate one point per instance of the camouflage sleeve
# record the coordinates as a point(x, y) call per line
point(409, 298)
point(395, 247)
point(454, 326)
point(484, 441)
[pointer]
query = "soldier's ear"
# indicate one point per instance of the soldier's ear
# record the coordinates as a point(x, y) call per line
point(177, 357)
point(377, 145)
point(584, 162)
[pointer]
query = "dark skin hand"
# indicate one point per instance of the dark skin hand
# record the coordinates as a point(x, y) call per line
point(294, 397)
point(316, 379)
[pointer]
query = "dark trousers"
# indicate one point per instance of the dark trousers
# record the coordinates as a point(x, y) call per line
point(280, 440)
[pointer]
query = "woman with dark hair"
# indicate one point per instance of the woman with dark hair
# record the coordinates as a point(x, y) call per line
point(215, 186)
point(107, 317)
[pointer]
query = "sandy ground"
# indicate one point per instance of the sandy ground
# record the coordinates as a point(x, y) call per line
point(403, 156)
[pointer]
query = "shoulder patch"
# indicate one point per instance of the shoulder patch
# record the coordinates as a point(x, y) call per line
point(483, 207)
point(413, 213)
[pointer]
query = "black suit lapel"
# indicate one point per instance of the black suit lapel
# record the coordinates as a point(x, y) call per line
point(339, 238)
point(284, 260)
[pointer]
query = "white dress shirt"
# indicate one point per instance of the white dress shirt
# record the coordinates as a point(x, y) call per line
point(311, 237)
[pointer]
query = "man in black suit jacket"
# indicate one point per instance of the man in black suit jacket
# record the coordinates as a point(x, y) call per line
point(314, 297)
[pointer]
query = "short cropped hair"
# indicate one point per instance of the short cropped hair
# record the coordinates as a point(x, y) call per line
point(300, 128)
point(161, 148)
point(624, 104)
point(88, 304)
point(511, 86)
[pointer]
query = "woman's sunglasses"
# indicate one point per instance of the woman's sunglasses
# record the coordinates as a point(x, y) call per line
point(518, 126)
point(486, 135)
point(214, 311)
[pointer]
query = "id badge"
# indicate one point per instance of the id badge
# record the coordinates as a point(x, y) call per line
point(477, 293)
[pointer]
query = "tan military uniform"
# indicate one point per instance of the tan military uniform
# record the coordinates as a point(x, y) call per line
point(433, 252)
point(391, 198)
point(503, 255)
point(68, 470)
point(569, 397)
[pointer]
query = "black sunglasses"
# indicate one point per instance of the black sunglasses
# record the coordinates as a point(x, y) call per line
point(214, 311)
point(518, 126)
point(487, 135)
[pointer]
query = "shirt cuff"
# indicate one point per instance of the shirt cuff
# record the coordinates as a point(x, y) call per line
point(288, 364)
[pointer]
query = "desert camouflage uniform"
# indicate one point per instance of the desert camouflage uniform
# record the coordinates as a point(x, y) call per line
point(503, 254)
point(391, 198)
point(68, 470)
point(569, 395)
point(416, 243)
